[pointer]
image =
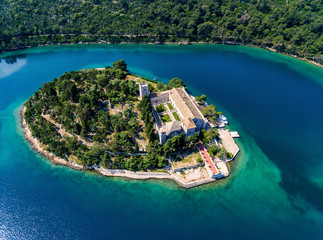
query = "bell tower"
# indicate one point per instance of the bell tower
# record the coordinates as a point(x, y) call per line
point(143, 89)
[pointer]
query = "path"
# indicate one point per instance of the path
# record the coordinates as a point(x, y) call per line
point(63, 132)
point(207, 158)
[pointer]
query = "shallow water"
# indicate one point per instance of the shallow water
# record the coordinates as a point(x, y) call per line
point(276, 186)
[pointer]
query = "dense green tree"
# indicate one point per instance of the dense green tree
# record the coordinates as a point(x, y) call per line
point(175, 83)
point(201, 99)
point(160, 86)
point(213, 150)
point(209, 136)
point(121, 64)
point(211, 113)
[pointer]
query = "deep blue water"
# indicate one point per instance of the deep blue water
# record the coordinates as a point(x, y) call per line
point(275, 190)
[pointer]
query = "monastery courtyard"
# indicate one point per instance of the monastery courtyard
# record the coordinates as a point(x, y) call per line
point(166, 113)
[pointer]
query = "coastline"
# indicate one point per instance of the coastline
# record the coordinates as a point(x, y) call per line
point(168, 43)
point(36, 146)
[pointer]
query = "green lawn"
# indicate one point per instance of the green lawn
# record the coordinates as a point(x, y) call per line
point(165, 118)
point(170, 106)
point(176, 116)
point(160, 108)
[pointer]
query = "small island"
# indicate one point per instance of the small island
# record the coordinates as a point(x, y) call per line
point(119, 124)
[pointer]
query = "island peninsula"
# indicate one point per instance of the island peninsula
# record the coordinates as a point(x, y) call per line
point(123, 125)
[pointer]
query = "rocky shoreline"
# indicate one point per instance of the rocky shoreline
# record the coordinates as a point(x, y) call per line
point(36, 145)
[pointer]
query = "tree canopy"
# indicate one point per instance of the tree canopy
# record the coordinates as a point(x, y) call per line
point(201, 99)
point(210, 113)
point(121, 64)
point(293, 27)
point(175, 83)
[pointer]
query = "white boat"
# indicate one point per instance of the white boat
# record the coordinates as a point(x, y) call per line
point(223, 118)
point(222, 125)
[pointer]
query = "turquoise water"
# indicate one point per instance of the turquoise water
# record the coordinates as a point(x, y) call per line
point(275, 190)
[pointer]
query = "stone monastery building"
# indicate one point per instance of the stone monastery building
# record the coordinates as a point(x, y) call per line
point(175, 101)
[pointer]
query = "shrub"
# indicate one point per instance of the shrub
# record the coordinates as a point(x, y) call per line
point(165, 118)
point(160, 108)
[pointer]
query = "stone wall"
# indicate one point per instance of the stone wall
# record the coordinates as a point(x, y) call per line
point(160, 99)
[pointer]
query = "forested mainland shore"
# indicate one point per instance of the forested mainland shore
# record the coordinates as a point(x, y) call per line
point(291, 27)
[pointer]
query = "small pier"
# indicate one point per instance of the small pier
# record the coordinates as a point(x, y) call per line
point(234, 134)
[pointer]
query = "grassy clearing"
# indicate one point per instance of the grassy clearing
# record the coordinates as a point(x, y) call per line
point(165, 118)
point(170, 106)
point(176, 116)
point(190, 160)
point(160, 108)
point(143, 78)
